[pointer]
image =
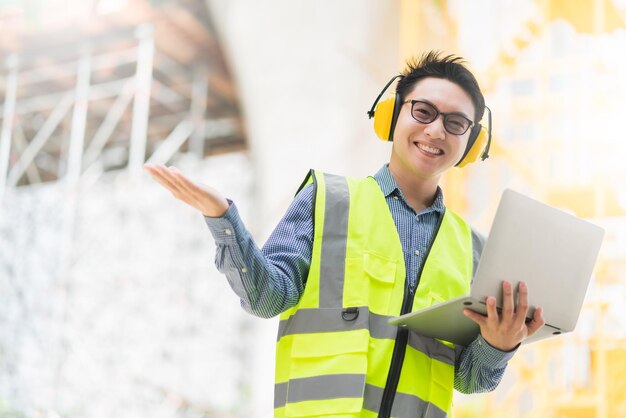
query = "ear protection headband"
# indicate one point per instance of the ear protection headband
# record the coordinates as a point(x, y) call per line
point(385, 114)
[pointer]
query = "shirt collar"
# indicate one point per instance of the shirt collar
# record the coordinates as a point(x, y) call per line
point(388, 185)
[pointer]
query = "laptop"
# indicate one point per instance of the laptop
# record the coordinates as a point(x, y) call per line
point(552, 251)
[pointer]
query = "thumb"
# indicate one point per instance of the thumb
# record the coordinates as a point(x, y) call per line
point(476, 317)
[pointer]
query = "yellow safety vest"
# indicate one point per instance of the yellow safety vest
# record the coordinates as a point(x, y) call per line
point(335, 347)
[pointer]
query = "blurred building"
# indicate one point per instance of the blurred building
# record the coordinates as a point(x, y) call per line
point(110, 302)
point(554, 81)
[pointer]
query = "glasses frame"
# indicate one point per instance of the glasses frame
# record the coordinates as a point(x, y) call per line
point(437, 113)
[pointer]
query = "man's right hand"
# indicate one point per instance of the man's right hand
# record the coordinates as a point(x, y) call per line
point(204, 198)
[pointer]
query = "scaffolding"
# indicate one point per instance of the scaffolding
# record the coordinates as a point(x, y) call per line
point(89, 91)
point(66, 93)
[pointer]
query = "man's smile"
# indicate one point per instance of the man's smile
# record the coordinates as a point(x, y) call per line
point(429, 149)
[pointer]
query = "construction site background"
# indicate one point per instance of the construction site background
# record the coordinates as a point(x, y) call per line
point(109, 301)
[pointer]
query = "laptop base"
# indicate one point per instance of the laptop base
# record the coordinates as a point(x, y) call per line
point(446, 321)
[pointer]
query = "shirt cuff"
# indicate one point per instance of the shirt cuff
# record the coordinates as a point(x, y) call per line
point(491, 356)
point(227, 227)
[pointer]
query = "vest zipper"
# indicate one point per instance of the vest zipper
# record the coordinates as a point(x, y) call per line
point(402, 337)
point(397, 359)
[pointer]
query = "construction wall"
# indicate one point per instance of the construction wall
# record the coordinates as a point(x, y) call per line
point(308, 71)
point(111, 306)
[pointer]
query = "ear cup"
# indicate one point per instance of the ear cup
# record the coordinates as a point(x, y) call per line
point(385, 113)
point(476, 146)
point(385, 117)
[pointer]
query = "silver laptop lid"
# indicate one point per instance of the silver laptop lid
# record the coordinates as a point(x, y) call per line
point(551, 250)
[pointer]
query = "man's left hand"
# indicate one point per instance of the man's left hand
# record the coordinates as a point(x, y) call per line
point(507, 329)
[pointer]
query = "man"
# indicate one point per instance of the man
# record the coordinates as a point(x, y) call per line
point(351, 253)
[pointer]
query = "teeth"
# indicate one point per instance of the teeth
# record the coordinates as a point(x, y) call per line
point(434, 151)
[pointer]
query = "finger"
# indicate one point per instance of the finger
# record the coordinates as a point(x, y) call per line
point(522, 304)
point(164, 177)
point(176, 176)
point(167, 178)
point(507, 300)
point(184, 182)
point(481, 320)
point(193, 193)
point(492, 311)
point(537, 322)
point(151, 169)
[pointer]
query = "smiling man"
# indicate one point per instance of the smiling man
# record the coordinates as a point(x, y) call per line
point(351, 253)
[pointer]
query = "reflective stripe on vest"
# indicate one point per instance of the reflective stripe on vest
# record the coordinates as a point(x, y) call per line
point(335, 238)
point(334, 348)
point(311, 321)
point(344, 385)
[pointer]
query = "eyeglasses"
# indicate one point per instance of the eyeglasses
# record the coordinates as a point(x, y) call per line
point(453, 123)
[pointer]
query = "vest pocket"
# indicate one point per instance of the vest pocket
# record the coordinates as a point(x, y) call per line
point(435, 298)
point(442, 373)
point(441, 388)
point(382, 274)
point(327, 369)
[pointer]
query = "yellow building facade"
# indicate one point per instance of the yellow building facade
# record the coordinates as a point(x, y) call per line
point(553, 77)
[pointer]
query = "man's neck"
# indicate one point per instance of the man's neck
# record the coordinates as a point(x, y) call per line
point(418, 193)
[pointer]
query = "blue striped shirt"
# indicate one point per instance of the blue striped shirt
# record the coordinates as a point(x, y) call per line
point(272, 279)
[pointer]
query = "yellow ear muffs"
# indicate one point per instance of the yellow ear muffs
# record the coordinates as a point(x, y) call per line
point(475, 146)
point(384, 118)
point(385, 113)
point(478, 143)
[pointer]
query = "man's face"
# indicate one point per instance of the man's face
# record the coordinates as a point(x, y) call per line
point(428, 150)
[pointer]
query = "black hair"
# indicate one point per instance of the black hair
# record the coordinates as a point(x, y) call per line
point(450, 68)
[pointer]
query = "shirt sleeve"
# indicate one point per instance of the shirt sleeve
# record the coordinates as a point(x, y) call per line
point(479, 367)
point(269, 280)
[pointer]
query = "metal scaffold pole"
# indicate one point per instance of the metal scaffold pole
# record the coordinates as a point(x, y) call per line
point(199, 87)
point(141, 105)
point(79, 120)
point(7, 121)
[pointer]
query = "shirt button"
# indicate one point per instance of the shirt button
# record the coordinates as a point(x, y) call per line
point(396, 197)
point(417, 218)
point(228, 232)
point(417, 252)
point(244, 270)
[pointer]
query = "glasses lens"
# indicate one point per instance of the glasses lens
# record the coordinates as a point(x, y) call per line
point(456, 124)
point(423, 112)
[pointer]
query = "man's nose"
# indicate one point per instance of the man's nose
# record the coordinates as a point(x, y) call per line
point(436, 129)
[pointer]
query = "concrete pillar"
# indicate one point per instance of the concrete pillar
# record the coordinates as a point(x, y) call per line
point(307, 72)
